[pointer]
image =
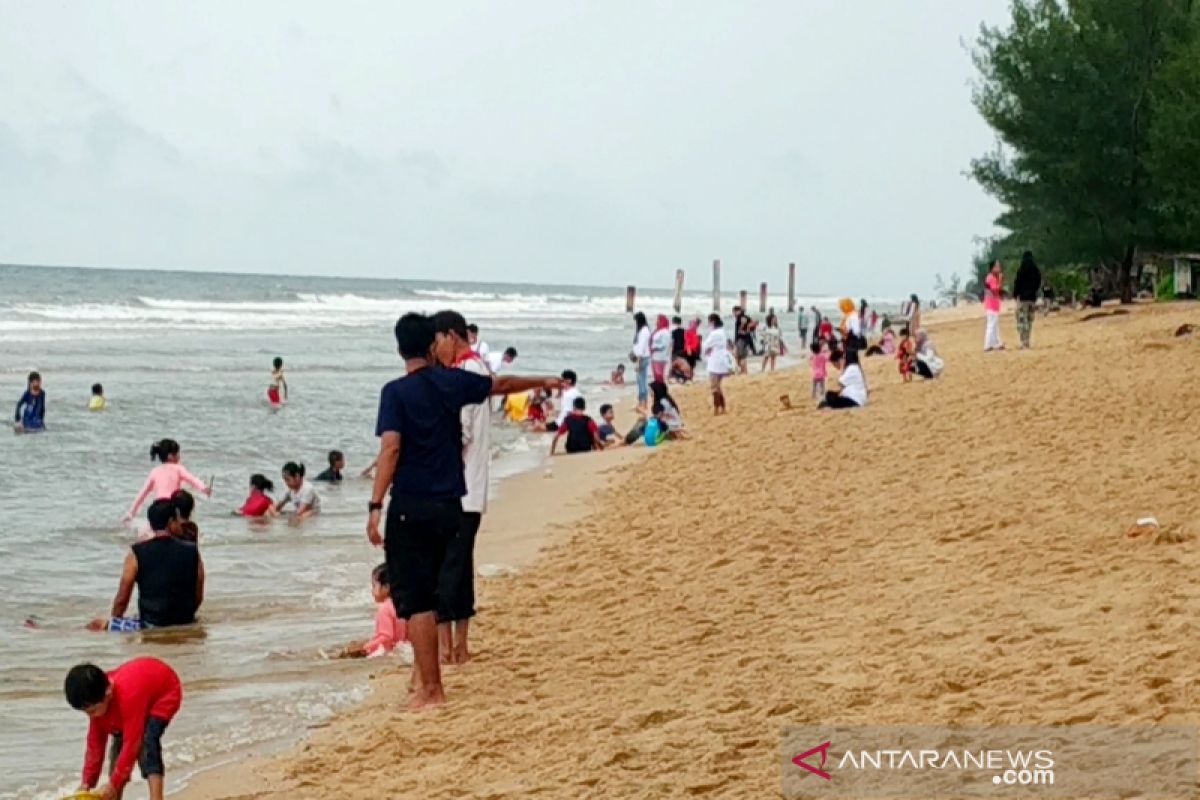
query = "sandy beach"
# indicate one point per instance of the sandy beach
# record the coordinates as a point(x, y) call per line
point(954, 553)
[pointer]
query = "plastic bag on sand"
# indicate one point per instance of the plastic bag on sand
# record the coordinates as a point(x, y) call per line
point(495, 570)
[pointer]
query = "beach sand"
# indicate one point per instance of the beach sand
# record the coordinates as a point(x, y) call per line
point(955, 553)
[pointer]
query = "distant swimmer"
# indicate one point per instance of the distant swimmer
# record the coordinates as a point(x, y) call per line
point(337, 463)
point(98, 402)
point(31, 408)
point(277, 391)
point(167, 478)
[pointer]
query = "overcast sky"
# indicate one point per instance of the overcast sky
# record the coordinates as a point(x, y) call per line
point(540, 140)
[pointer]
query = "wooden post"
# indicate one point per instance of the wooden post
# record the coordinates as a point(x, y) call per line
point(717, 285)
point(791, 287)
point(742, 301)
point(678, 290)
point(762, 297)
point(630, 297)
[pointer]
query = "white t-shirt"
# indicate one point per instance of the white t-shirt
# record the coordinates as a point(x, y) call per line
point(660, 345)
point(854, 324)
point(854, 385)
point(495, 362)
point(568, 403)
point(306, 495)
point(477, 445)
point(481, 348)
point(641, 344)
point(716, 349)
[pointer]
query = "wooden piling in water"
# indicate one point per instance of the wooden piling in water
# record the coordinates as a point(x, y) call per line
point(630, 298)
point(717, 285)
point(742, 295)
point(678, 290)
point(791, 287)
point(762, 297)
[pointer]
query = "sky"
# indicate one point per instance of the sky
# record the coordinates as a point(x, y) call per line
point(594, 143)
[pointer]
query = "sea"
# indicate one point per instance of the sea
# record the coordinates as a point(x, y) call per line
point(187, 355)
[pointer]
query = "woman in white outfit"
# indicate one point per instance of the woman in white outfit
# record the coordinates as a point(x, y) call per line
point(717, 360)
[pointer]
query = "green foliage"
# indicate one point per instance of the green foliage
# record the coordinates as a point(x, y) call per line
point(1095, 105)
point(1164, 289)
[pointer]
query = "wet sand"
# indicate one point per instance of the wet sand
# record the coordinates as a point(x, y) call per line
point(955, 553)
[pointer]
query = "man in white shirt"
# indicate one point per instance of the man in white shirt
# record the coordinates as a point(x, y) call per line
point(478, 347)
point(498, 361)
point(569, 393)
point(456, 584)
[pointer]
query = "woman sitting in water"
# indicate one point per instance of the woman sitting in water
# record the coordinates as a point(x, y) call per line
point(301, 497)
point(259, 503)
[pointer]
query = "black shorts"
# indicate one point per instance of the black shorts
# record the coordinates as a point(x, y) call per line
point(150, 758)
point(456, 588)
point(419, 531)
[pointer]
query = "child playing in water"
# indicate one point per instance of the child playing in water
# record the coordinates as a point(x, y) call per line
point(31, 408)
point(906, 355)
point(301, 495)
point(606, 429)
point(618, 376)
point(167, 478)
point(259, 503)
point(134, 704)
point(536, 414)
point(390, 630)
point(337, 463)
point(819, 363)
point(97, 403)
point(277, 391)
point(184, 505)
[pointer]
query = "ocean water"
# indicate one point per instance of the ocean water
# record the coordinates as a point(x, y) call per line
point(187, 356)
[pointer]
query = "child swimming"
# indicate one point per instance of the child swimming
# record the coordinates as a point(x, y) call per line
point(277, 390)
point(301, 495)
point(134, 704)
point(97, 403)
point(390, 630)
point(31, 408)
point(167, 478)
point(259, 503)
point(337, 463)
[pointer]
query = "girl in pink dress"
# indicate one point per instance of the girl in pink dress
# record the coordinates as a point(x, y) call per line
point(167, 478)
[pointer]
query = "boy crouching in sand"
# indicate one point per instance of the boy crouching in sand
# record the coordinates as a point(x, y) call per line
point(134, 704)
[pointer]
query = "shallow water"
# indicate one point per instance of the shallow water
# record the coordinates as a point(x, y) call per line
point(187, 356)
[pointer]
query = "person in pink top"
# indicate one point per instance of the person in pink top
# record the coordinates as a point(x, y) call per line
point(167, 478)
point(819, 362)
point(390, 630)
point(993, 285)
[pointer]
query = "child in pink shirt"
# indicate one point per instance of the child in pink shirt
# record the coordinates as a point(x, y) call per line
point(390, 630)
point(167, 478)
point(819, 362)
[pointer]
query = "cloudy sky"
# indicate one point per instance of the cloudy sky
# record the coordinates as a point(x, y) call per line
point(541, 140)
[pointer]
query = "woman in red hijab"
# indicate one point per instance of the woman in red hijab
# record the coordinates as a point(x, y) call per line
point(660, 349)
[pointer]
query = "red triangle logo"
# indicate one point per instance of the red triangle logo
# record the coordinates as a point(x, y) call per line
point(823, 749)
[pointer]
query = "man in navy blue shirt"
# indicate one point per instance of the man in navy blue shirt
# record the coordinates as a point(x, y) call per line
point(420, 461)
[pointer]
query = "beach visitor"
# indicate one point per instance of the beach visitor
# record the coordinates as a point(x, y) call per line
point(535, 415)
point(678, 339)
point(133, 704)
point(660, 348)
point(606, 428)
point(993, 285)
point(259, 502)
point(818, 364)
point(277, 389)
point(456, 587)
point(853, 393)
point(1047, 298)
point(803, 325)
point(640, 356)
point(617, 378)
point(185, 504)
point(743, 337)
point(1025, 288)
point(825, 330)
point(97, 403)
point(906, 355)
point(570, 392)
point(928, 364)
point(479, 346)
point(167, 478)
point(851, 326)
point(168, 573)
point(390, 630)
point(864, 318)
point(655, 432)
point(580, 430)
point(498, 361)
point(772, 342)
point(421, 464)
point(691, 343)
point(301, 495)
point(717, 361)
point(668, 411)
point(337, 463)
point(914, 314)
point(887, 342)
point(31, 408)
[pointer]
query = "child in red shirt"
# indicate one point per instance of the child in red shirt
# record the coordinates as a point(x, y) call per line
point(134, 704)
